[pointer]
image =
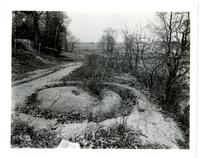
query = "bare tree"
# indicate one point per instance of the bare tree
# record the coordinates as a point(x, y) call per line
point(128, 44)
point(71, 42)
point(174, 34)
point(36, 17)
point(135, 44)
point(107, 42)
point(108, 46)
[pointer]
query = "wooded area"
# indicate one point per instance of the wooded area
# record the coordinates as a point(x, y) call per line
point(48, 30)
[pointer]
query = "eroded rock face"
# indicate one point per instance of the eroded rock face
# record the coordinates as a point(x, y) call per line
point(67, 144)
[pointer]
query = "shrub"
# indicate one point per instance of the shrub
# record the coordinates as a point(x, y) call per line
point(108, 138)
point(113, 137)
point(30, 106)
point(184, 121)
point(93, 73)
point(23, 135)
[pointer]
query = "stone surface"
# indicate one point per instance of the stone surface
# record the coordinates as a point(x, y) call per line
point(142, 105)
point(110, 103)
point(66, 99)
point(67, 144)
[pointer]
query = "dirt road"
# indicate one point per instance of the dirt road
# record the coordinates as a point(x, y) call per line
point(20, 92)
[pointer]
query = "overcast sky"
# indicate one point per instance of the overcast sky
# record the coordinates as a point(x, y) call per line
point(88, 27)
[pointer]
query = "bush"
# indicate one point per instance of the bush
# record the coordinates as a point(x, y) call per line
point(108, 138)
point(184, 121)
point(114, 137)
point(23, 135)
point(93, 73)
point(31, 108)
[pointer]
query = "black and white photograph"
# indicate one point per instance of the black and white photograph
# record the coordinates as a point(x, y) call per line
point(100, 80)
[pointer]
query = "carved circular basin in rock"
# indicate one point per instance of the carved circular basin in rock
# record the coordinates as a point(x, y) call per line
point(65, 99)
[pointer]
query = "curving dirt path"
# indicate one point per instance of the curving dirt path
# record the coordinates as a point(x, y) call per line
point(20, 92)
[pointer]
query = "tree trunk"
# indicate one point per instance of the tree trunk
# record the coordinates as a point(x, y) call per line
point(36, 30)
point(136, 63)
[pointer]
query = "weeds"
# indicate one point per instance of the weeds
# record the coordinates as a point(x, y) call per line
point(114, 137)
point(93, 73)
point(23, 135)
point(32, 108)
point(184, 121)
point(108, 138)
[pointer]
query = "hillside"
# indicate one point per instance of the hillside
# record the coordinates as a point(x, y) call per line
point(26, 61)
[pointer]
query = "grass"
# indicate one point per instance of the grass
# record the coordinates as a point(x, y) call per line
point(26, 61)
point(93, 73)
point(127, 104)
point(108, 138)
point(31, 107)
point(114, 137)
point(23, 136)
point(184, 122)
